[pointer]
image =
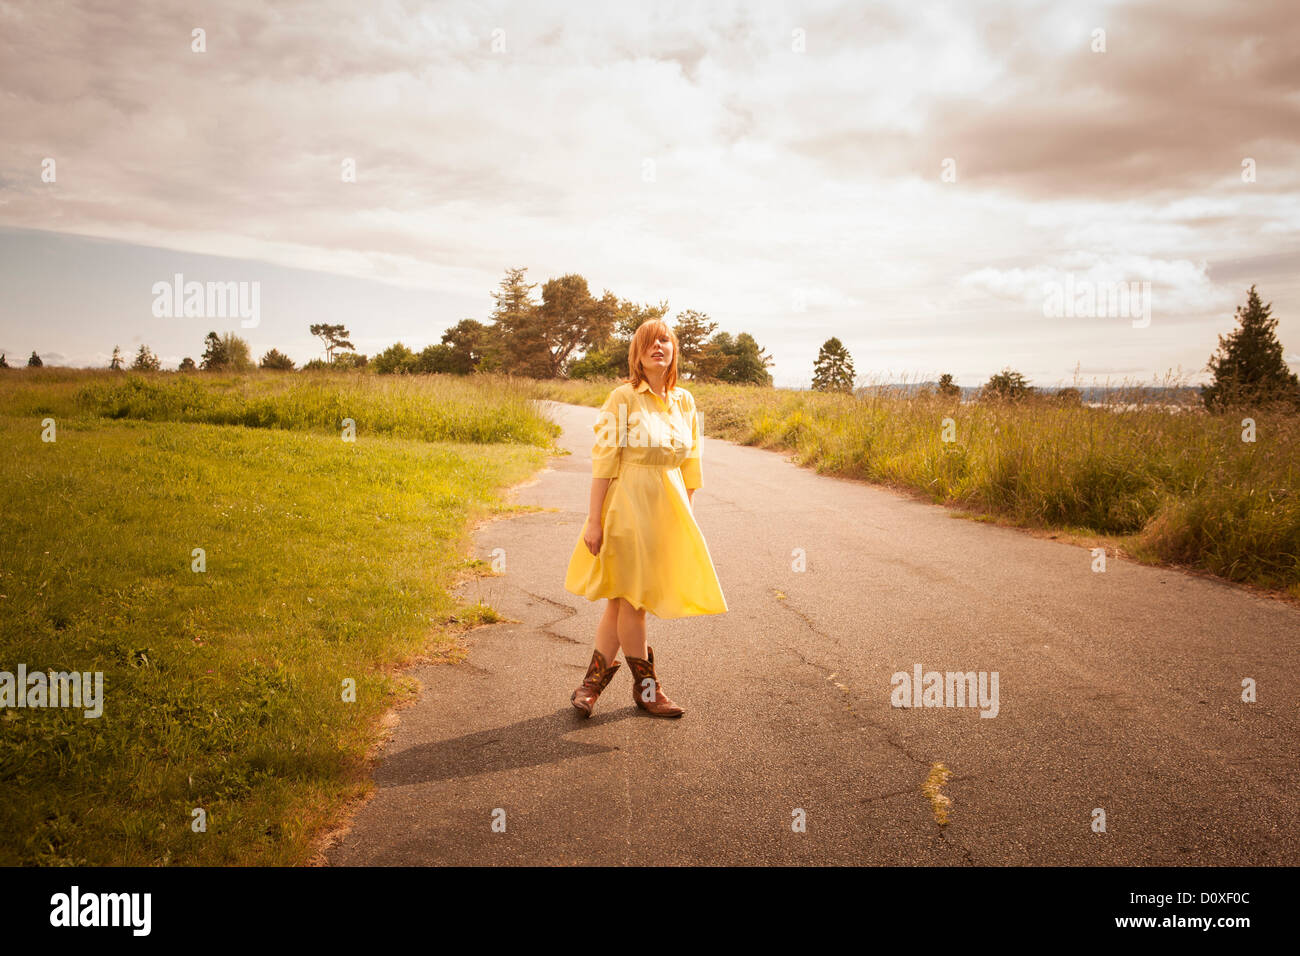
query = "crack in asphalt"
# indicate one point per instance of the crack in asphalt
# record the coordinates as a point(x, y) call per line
point(886, 736)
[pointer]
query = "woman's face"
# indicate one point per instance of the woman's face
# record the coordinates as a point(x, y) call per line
point(659, 354)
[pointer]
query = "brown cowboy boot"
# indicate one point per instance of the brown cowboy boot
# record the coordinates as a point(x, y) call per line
point(645, 687)
point(599, 673)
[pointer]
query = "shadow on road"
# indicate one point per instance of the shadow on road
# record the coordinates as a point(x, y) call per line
point(528, 743)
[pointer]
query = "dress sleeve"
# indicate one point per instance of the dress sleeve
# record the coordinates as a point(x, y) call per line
point(607, 452)
point(692, 473)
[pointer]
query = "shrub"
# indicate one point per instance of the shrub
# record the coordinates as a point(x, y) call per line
point(277, 361)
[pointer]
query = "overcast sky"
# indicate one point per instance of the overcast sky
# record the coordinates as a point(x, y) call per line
point(779, 166)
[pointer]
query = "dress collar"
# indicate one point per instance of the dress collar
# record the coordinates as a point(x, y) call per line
point(645, 387)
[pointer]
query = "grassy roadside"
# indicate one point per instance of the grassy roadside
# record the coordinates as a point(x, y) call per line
point(328, 560)
point(1179, 489)
point(325, 560)
point(480, 409)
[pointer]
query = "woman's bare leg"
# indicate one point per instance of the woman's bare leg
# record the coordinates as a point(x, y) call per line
point(607, 631)
point(646, 690)
point(631, 629)
point(584, 698)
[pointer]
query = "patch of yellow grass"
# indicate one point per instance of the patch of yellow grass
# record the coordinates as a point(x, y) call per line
point(939, 802)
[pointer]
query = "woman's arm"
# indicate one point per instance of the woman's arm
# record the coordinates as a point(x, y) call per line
point(606, 459)
point(593, 534)
point(692, 469)
point(596, 503)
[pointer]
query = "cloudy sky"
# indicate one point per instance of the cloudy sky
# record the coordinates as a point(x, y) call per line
point(911, 177)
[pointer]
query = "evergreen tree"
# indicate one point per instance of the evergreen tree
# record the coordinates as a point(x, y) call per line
point(187, 365)
point(34, 361)
point(214, 353)
point(145, 361)
point(116, 363)
point(3, 363)
point(1249, 367)
point(947, 387)
point(516, 344)
point(833, 370)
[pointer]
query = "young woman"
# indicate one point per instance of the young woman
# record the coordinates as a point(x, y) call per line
point(640, 546)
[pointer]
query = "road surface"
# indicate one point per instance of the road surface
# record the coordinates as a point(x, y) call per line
point(1118, 692)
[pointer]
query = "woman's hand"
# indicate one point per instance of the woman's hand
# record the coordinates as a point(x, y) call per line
point(593, 536)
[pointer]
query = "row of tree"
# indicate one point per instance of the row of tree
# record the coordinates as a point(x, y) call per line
point(567, 333)
point(33, 362)
point(570, 333)
point(833, 372)
point(1248, 368)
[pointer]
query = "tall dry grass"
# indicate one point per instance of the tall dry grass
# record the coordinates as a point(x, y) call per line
point(1179, 485)
point(473, 409)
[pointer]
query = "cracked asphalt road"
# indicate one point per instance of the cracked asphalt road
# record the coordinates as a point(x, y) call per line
point(1119, 691)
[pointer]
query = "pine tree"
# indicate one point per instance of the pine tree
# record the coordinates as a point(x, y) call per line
point(145, 361)
point(214, 353)
point(116, 363)
point(34, 361)
point(513, 344)
point(947, 387)
point(833, 370)
point(518, 328)
point(3, 363)
point(1249, 367)
point(514, 298)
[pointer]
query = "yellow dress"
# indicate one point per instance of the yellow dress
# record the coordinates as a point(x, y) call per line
point(653, 553)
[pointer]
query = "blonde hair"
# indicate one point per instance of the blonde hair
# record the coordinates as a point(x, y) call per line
point(647, 333)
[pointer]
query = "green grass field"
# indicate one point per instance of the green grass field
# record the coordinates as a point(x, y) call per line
point(326, 560)
point(1180, 488)
point(329, 560)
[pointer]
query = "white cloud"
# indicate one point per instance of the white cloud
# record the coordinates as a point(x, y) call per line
point(776, 174)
